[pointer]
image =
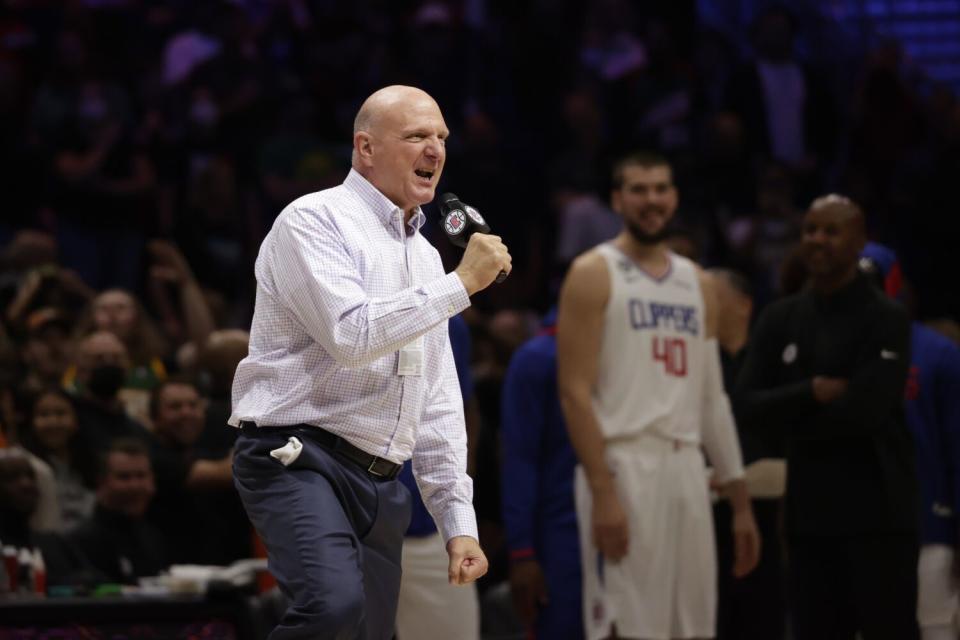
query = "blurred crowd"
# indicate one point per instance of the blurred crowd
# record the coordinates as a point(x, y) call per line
point(148, 146)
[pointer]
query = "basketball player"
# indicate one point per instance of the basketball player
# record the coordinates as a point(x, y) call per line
point(642, 391)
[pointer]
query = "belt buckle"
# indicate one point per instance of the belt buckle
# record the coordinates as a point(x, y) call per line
point(370, 468)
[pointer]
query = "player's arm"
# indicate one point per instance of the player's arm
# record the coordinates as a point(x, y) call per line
point(721, 443)
point(583, 300)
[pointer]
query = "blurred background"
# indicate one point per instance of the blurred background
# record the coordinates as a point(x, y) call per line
point(147, 147)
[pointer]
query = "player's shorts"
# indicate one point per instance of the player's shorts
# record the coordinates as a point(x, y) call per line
point(666, 585)
point(937, 601)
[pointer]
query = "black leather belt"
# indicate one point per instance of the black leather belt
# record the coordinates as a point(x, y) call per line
point(374, 465)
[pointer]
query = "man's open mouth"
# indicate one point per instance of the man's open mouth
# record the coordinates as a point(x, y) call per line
point(424, 173)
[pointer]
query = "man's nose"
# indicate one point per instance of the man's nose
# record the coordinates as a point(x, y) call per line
point(434, 148)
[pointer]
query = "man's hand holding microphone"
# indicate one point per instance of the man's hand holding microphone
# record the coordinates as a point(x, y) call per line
point(486, 259)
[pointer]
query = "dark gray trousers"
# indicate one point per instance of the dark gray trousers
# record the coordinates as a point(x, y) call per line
point(333, 532)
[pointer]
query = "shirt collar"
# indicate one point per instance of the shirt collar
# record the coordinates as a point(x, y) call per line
point(380, 204)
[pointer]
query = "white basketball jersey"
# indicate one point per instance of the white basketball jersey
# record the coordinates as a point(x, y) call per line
point(650, 378)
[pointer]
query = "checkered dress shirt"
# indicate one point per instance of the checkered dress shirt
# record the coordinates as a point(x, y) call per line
point(342, 285)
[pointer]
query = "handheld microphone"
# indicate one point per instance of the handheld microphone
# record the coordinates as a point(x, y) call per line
point(460, 221)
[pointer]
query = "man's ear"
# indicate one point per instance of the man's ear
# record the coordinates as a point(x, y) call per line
point(363, 147)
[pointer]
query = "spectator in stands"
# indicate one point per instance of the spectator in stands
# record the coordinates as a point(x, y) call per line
point(196, 507)
point(216, 364)
point(117, 539)
point(54, 437)
point(583, 219)
point(46, 349)
point(175, 291)
point(32, 279)
point(759, 241)
point(19, 500)
point(46, 515)
point(101, 184)
point(886, 132)
point(102, 365)
point(795, 120)
point(725, 173)
point(19, 496)
point(213, 229)
point(120, 313)
point(27, 252)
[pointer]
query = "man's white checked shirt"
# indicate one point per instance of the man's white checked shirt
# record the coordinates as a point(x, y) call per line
point(342, 285)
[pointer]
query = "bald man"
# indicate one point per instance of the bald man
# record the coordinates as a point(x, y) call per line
point(828, 366)
point(350, 373)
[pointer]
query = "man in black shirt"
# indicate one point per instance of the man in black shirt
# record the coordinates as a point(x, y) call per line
point(102, 366)
point(196, 508)
point(829, 365)
point(117, 539)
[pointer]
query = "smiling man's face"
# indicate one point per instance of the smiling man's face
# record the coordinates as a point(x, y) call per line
point(407, 149)
point(832, 240)
point(646, 200)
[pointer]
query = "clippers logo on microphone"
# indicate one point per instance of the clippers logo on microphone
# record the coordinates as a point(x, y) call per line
point(455, 222)
point(475, 215)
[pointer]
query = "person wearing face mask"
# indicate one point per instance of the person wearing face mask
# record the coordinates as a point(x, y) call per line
point(102, 364)
point(117, 539)
point(827, 367)
point(196, 507)
point(120, 313)
point(54, 437)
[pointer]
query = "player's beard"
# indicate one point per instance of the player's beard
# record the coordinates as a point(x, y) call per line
point(645, 238)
